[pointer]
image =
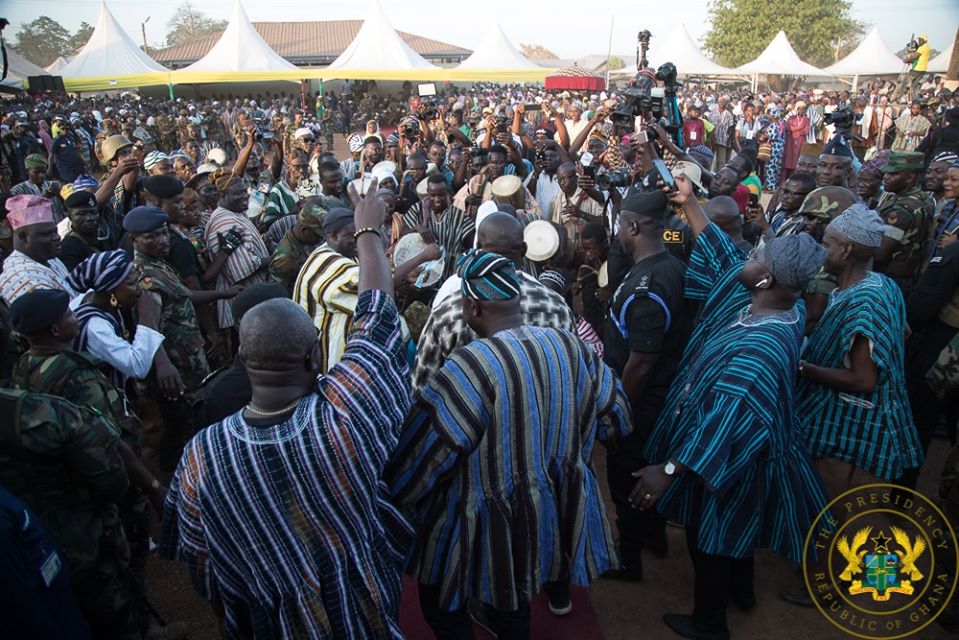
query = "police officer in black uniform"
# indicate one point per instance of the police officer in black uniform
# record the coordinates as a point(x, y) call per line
point(647, 329)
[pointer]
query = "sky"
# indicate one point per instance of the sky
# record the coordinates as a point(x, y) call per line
point(536, 22)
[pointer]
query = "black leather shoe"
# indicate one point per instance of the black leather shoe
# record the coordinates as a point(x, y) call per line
point(686, 627)
point(796, 598)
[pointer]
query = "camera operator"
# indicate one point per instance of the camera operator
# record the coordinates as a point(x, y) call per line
point(919, 57)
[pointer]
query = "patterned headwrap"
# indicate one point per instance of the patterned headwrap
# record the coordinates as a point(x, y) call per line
point(874, 167)
point(859, 224)
point(85, 181)
point(222, 179)
point(102, 272)
point(487, 276)
point(946, 156)
point(35, 161)
point(794, 260)
point(153, 158)
point(355, 143)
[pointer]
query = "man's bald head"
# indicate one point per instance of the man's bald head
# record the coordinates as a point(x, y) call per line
point(276, 335)
point(724, 211)
point(503, 234)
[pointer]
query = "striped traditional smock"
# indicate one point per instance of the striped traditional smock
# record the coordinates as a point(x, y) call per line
point(874, 431)
point(289, 526)
point(729, 418)
point(494, 461)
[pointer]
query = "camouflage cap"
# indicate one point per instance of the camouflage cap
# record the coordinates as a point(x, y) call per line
point(904, 161)
point(827, 203)
point(312, 215)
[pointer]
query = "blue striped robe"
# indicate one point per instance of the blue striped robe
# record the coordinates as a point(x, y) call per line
point(729, 418)
point(494, 463)
point(289, 527)
point(873, 431)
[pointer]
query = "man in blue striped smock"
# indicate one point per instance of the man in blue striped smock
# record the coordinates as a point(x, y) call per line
point(852, 400)
point(732, 467)
point(279, 510)
point(494, 464)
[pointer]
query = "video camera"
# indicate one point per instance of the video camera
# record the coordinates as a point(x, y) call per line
point(844, 120)
point(263, 130)
point(613, 179)
point(913, 45)
point(645, 99)
point(427, 109)
point(501, 122)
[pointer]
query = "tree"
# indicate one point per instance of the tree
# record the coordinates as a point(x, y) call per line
point(42, 41)
point(188, 23)
point(817, 29)
point(80, 38)
point(616, 63)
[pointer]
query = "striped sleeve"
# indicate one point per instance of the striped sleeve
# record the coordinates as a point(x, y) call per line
point(714, 255)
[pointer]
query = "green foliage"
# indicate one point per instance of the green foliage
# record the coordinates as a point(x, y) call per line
point(80, 38)
point(42, 41)
point(616, 63)
point(188, 23)
point(820, 31)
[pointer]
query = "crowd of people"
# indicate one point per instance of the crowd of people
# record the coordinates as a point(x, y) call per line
point(319, 371)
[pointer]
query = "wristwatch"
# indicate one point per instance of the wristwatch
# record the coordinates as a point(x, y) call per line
point(669, 469)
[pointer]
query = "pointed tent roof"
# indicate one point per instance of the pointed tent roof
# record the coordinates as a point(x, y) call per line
point(497, 52)
point(240, 48)
point(109, 52)
point(872, 56)
point(940, 64)
point(779, 59)
point(19, 69)
point(377, 46)
point(679, 48)
point(57, 64)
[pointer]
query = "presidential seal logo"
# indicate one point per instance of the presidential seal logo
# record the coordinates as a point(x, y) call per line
point(881, 561)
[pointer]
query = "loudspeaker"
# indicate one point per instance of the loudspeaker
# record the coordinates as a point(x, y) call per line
point(45, 84)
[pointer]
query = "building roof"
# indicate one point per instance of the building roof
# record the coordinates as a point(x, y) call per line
point(305, 43)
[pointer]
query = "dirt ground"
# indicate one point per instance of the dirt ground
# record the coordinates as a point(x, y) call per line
point(625, 611)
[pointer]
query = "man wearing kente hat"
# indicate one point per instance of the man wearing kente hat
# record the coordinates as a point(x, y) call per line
point(39, 184)
point(495, 481)
point(34, 263)
point(247, 262)
point(285, 193)
point(908, 213)
point(299, 241)
point(851, 394)
point(88, 232)
point(648, 327)
point(184, 345)
point(728, 461)
point(326, 286)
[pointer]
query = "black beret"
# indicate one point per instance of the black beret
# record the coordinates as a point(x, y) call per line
point(837, 147)
point(81, 199)
point(652, 204)
point(163, 187)
point(38, 310)
point(335, 219)
point(255, 294)
point(144, 219)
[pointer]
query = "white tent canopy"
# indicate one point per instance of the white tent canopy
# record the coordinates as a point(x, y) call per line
point(871, 57)
point(497, 52)
point(19, 69)
point(241, 48)
point(377, 46)
point(55, 66)
point(109, 52)
point(940, 64)
point(779, 59)
point(679, 48)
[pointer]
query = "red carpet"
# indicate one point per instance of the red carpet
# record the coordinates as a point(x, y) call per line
point(580, 624)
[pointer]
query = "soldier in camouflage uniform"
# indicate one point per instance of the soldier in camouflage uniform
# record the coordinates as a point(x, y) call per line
point(292, 251)
point(239, 130)
point(63, 461)
point(184, 343)
point(327, 121)
point(51, 366)
point(907, 211)
point(182, 128)
point(166, 127)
